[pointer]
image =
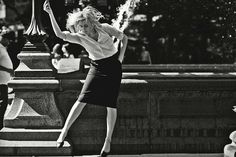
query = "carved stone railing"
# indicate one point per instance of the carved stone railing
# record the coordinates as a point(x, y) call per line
point(220, 68)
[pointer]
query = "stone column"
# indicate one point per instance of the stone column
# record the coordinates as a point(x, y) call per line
point(32, 122)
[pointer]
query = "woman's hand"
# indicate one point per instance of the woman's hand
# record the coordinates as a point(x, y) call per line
point(121, 58)
point(47, 7)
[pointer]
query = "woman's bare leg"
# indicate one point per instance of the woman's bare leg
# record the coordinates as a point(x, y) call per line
point(111, 121)
point(73, 115)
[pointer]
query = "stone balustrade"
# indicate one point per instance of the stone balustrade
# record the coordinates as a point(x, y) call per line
point(158, 112)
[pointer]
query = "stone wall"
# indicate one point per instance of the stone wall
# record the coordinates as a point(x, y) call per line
point(182, 113)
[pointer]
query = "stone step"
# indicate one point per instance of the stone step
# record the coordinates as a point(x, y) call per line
point(32, 148)
point(29, 134)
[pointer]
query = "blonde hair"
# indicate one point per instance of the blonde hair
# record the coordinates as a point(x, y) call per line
point(88, 13)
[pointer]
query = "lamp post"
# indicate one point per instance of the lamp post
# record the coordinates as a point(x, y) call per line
point(35, 53)
point(35, 78)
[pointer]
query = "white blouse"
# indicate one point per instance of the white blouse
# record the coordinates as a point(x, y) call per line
point(103, 47)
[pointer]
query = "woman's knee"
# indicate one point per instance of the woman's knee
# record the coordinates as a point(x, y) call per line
point(111, 109)
point(80, 104)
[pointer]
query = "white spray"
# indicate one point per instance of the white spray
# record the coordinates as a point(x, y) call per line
point(125, 11)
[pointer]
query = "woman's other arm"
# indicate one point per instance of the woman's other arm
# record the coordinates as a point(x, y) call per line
point(112, 31)
point(124, 42)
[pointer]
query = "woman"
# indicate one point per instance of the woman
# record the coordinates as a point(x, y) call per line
point(103, 80)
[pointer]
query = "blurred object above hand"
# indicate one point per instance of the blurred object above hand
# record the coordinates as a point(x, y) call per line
point(234, 108)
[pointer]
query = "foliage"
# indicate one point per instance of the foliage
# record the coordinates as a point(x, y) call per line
point(188, 31)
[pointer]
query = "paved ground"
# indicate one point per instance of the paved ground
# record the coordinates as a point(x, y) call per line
point(142, 155)
point(164, 155)
point(146, 155)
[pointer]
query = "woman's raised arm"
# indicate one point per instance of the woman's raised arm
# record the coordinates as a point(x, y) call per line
point(56, 28)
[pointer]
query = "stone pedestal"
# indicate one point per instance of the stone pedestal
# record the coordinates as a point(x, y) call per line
point(32, 124)
point(33, 110)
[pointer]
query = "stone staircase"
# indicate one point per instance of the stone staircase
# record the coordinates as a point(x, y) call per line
point(31, 142)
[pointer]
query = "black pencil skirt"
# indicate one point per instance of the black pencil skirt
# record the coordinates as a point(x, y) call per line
point(102, 83)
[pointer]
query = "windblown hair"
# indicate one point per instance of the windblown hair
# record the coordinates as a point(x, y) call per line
point(88, 13)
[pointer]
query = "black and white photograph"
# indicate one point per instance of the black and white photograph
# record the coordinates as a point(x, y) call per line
point(118, 78)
